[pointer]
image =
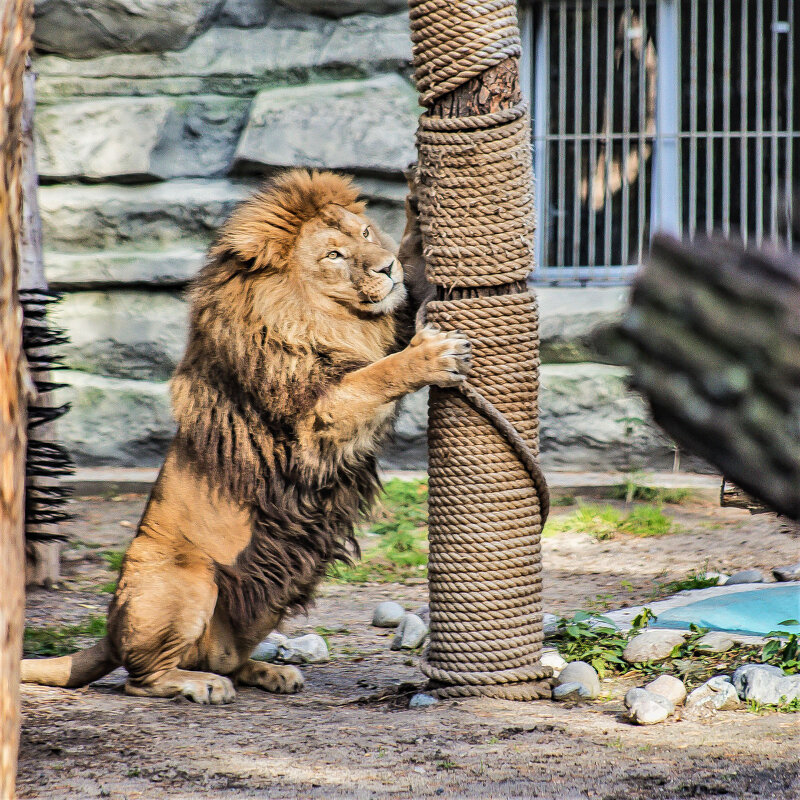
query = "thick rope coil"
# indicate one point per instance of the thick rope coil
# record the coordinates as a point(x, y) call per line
point(489, 501)
point(455, 41)
point(476, 198)
point(488, 496)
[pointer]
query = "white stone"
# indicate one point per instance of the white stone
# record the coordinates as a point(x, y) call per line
point(790, 573)
point(137, 137)
point(740, 675)
point(388, 614)
point(647, 708)
point(115, 421)
point(654, 644)
point(580, 672)
point(668, 686)
point(268, 649)
point(410, 634)
point(123, 334)
point(717, 693)
point(721, 577)
point(745, 576)
point(715, 642)
point(422, 700)
point(373, 120)
point(85, 28)
point(107, 269)
point(342, 8)
point(573, 690)
point(308, 649)
point(551, 658)
point(768, 688)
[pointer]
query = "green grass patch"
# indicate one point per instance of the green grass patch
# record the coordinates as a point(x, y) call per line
point(605, 522)
point(694, 580)
point(51, 640)
point(114, 559)
point(397, 537)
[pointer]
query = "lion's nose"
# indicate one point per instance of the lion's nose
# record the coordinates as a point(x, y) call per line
point(386, 269)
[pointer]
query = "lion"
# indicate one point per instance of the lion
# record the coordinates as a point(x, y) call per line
point(287, 388)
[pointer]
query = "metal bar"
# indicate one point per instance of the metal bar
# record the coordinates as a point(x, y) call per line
point(578, 129)
point(562, 129)
point(682, 135)
point(790, 201)
point(641, 196)
point(541, 84)
point(758, 74)
point(607, 210)
point(593, 81)
point(726, 120)
point(774, 94)
point(710, 82)
point(744, 193)
point(666, 208)
point(693, 101)
point(626, 128)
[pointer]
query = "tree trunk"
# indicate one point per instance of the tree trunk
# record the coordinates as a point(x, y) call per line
point(15, 32)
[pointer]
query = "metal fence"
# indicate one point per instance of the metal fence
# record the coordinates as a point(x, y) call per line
point(676, 115)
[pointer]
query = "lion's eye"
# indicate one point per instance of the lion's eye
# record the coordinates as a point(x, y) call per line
point(335, 254)
point(366, 233)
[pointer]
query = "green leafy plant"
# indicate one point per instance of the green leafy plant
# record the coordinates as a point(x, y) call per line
point(593, 638)
point(783, 649)
point(59, 641)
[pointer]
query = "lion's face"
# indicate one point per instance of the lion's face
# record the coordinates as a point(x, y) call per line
point(342, 253)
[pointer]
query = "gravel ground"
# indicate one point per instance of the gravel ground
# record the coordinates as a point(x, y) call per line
point(331, 741)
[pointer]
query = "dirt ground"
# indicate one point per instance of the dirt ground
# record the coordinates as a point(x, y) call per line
point(323, 743)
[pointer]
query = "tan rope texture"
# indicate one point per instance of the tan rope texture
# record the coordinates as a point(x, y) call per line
point(488, 497)
point(455, 41)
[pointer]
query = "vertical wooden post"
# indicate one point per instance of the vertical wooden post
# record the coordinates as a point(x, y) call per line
point(15, 41)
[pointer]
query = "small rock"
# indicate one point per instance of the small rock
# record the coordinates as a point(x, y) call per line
point(652, 645)
point(422, 700)
point(745, 576)
point(766, 687)
point(388, 614)
point(668, 686)
point(424, 613)
point(718, 693)
point(580, 672)
point(572, 691)
point(721, 577)
point(268, 649)
point(411, 633)
point(308, 649)
point(647, 708)
point(551, 658)
point(740, 675)
point(715, 642)
point(549, 623)
point(791, 573)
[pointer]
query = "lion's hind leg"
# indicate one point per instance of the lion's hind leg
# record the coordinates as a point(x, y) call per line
point(269, 677)
point(202, 687)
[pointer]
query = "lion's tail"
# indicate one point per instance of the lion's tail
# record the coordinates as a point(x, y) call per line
point(70, 671)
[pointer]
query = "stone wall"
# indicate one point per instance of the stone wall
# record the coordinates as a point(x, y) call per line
point(154, 118)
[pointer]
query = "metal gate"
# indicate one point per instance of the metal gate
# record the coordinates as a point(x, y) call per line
point(649, 115)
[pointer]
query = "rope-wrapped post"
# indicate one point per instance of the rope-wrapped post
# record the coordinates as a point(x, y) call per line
point(488, 499)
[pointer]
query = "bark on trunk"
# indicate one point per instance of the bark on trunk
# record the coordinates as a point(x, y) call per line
point(15, 31)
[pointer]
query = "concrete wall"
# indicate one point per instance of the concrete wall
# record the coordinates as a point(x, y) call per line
point(156, 117)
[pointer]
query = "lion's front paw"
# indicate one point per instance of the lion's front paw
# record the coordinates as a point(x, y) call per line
point(209, 690)
point(444, 358)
